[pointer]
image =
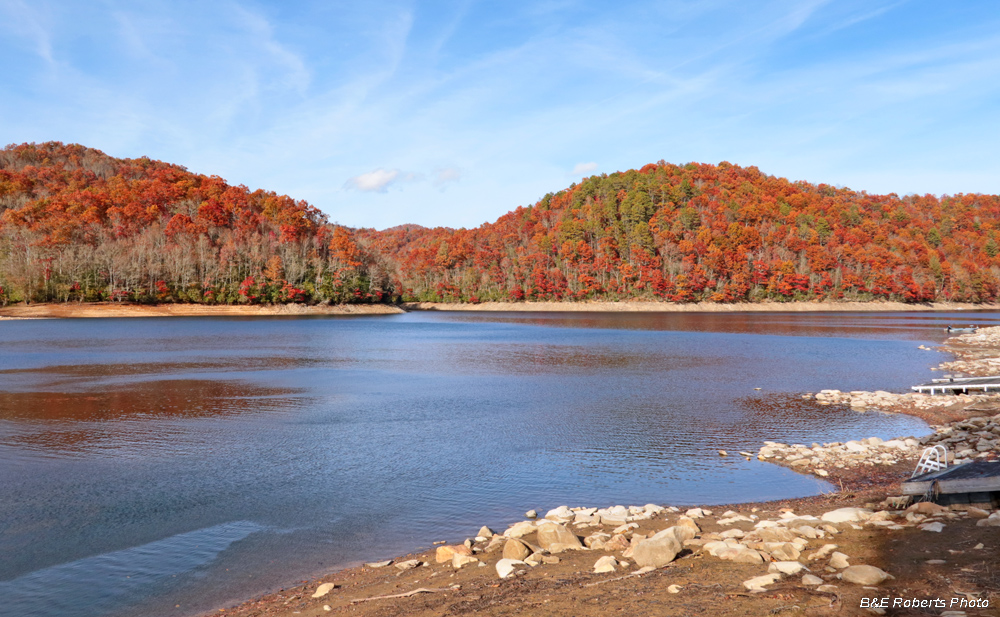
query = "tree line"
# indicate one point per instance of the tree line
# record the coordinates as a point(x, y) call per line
point(78, 225)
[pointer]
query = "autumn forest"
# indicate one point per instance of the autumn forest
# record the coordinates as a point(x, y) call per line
point(78, 225)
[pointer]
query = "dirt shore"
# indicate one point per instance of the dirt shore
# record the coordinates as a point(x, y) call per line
point(939, 560)
point(109, 309)
point(698, 307)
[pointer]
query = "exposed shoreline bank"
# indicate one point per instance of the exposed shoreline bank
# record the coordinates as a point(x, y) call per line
point(98, 310)
point(930, 552)
point(698, 307)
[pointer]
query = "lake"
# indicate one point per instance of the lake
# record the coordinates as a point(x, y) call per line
point(171, 466)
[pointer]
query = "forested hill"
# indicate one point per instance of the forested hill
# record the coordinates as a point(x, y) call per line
point(704, 232)
point(76, 224)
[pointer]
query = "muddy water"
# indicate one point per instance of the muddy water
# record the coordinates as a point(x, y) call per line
point(168, 466)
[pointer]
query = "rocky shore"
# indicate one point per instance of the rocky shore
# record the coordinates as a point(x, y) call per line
point(856, 551)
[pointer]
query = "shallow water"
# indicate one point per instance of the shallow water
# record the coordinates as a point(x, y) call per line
point(168, 466)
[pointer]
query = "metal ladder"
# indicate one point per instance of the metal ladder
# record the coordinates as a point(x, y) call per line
point(934, 458)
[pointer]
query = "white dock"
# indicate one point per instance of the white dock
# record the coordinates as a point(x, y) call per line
point(959, 385)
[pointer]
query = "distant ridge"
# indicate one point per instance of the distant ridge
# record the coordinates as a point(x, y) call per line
point(79, 225)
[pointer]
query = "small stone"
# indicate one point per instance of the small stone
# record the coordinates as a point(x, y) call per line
point(550, 559)
point(326, 607)
point(323, 589)
point(847, 515)
point(674, 589)
point(827, 588)
point(864, 575)
point(839, 561)
point(786, 567)
point(485, 532)
point(531, 514)
point(723, 453)
point(506, 567)
point(516, 550)
point(408, 564)
point(445, 553)
point(935, 527)
point(935, 562)
point(458, 560)
point(379, 564)
point(758, 583)
point(811, 579)
point(605, 564)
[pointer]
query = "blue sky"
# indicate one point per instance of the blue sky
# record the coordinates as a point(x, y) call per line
point(453, 113)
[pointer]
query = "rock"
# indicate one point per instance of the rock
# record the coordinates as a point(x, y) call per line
point(531, 514)
point(782, 551)
point(977, 512)
point(927, 508)
point(445, 553)
point(935, 526)
point(562, 514)
point(674, 589)
point(379, 564)
point(323, 589)
point(617, 543)
point(760, 582)
point(697, 513)
point(519, 530)
point(786, 567)
point(723, 453)
point(839, 561)
point(827, 588)
point(516, 550)
point(495, 543)
point(552, 534)
point(506, 567)
point(409, 564)
point(822, 552)
point(864, 575)
point(657, 551)
point(485, 532)
point(597, 540)
point(740, 554)
point(605, 564)
point(992, 521)
point(775, 534)
point(847, 515)
point(688, 523)
point(811, 579)
point(458, 560)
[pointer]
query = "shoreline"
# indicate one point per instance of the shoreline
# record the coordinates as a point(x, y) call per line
point(923, 549)
point(698, 307)
point(72, 310)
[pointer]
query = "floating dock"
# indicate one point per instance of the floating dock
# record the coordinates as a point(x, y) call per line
point(977, 482)
point(959, 385)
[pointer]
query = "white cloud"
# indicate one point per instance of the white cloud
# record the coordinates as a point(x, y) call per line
point(444, 177)
point(376, 181)
point(583, 169)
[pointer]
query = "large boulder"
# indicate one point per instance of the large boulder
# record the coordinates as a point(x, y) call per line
point(519, 530)
point(554, 537)
point(657, 551)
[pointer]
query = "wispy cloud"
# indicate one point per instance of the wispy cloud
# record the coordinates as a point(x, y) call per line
point(445, 176)
point(583, 169)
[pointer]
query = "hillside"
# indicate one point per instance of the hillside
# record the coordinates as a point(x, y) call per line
point(76, 224)
point(709, 233)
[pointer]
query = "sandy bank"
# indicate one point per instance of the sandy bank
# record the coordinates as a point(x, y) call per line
point(66, 310)
point(699, 307)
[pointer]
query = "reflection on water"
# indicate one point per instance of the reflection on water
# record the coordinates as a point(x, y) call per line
point(306, 444)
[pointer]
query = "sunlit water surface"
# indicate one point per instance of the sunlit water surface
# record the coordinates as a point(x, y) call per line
point(170, 466)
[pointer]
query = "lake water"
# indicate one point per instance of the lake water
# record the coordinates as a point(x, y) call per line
point(171, 466)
